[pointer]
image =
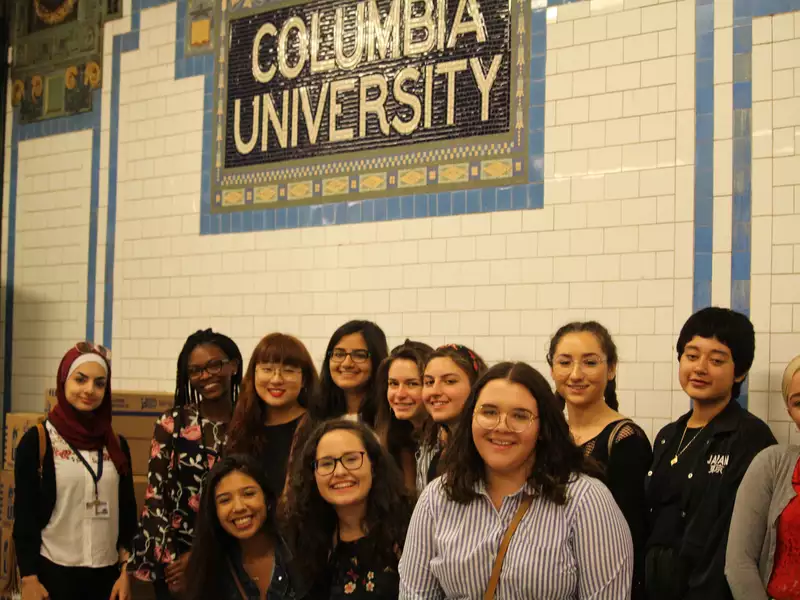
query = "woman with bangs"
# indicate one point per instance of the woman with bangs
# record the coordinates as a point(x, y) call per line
point(402, 420)
point(450, 373)
point(277, 391)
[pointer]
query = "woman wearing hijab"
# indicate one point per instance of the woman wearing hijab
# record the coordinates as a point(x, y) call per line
point(75, 510)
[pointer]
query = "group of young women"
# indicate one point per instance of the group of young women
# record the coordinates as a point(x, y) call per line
point(417, 473)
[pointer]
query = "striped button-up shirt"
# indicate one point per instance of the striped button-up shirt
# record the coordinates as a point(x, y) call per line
point(579, 551)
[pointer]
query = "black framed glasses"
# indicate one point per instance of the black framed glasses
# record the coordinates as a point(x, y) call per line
point(86, 347)
point(339, 355)
point(351, 461)
point(212, 367)
point(517, 420)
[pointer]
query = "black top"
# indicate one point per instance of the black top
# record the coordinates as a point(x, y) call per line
point(275, 456)
point(35, 500)
point(286, 583)
point(690, 503)
point(354, 573)
point(626, 470)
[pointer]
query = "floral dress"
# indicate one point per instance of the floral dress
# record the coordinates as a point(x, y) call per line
point(184, 448)
point(353, 574)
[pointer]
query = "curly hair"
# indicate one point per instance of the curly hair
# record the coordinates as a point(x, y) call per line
point(212, 544)
point(310, 522)
point(246, 433)
point(332, 398)
point(558, 459)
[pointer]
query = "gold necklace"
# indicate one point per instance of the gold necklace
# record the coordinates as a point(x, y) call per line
point(674, 460)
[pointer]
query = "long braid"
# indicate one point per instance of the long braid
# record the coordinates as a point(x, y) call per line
point(185, 394)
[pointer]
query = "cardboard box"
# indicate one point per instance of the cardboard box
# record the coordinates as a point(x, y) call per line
point(7, 497)
point(7, 563)
point(139, 427)
point(16, 426)
point(140, 456)
point(150, 403)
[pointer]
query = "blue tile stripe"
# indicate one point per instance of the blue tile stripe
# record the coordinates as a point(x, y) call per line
point(744, 11)
point(704, 154)
point(21, 132)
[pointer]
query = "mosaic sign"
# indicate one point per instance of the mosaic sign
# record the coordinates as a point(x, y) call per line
point(345, 99)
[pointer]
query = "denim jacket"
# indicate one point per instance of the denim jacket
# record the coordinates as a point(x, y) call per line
point(286, 583)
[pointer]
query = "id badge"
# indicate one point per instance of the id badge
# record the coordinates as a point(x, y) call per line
point(97, 509)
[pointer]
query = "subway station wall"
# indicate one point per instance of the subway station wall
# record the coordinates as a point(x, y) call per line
point(662, 174)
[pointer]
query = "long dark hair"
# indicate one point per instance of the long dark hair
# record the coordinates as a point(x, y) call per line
point(246, 433)
point(310, 522)
point(396, 434)
point(606, 343)
point(184, 392)
point(332, 398)
point(466, 359)
point(212, 545)
point(558, 459)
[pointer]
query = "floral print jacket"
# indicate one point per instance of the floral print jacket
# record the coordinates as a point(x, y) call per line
point(181, 454)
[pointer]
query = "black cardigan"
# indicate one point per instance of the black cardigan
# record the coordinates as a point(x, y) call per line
point(34, 501)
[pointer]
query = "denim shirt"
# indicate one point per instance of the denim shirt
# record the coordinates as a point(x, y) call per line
point(285, 584)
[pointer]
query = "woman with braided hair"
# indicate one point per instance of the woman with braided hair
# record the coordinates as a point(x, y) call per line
point(187, 441)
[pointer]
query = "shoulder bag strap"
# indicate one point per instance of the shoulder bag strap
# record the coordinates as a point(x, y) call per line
point(42, 446)
point(614, 432)
point(527, 500)
point(236, 580)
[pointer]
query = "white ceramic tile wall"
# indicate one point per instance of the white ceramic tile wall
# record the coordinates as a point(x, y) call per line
point(613, 241)
point(775, 301)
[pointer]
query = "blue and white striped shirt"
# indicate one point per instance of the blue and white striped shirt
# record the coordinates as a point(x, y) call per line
point(579, 551)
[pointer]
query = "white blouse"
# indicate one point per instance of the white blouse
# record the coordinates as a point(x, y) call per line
point(73, 538)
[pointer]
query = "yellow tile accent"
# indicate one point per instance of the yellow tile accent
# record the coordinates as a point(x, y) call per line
point(496, 169)
point(299, 190)
point(201, 32)
point(232, 197)
point(266, 194)
point(372, 182)
point(457, 173)
point(334, 186)
point(411, 177)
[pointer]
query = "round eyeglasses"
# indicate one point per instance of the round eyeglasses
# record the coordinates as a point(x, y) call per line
point(351, 461)
point(517, 420)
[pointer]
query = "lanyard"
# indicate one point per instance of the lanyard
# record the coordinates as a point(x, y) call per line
point(95, 476)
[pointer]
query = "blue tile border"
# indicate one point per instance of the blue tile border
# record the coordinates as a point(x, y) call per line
point(704, 154)
point(744, 11)
point(21, 132)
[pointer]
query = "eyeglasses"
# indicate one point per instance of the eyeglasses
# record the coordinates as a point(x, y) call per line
point(86, 347)
point(517, 420)
point(351, 461)
point(288, 372)
point(212, 367)
point(338, 355)
point(587, 365)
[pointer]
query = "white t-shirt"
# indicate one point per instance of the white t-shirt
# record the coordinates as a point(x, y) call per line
point(72, 538)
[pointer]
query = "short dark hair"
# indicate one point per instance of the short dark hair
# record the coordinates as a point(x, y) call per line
point(558, 459)
point(606, 343)
point(212, 544)
point(310, 522)
point(332, 399)
point(728, 327)
point(396, 434)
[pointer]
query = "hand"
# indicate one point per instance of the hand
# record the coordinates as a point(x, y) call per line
point(32, 589)
point(175, 573)
point(122, 587)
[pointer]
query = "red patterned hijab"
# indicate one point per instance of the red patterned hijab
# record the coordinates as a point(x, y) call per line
point(86, 430)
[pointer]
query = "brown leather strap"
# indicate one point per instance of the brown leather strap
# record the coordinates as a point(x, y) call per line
point(236, 580)
point(42, 446)
point(614, 432)
point(527, 500)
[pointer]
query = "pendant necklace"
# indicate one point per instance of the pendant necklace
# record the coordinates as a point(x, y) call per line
point(674, 460)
